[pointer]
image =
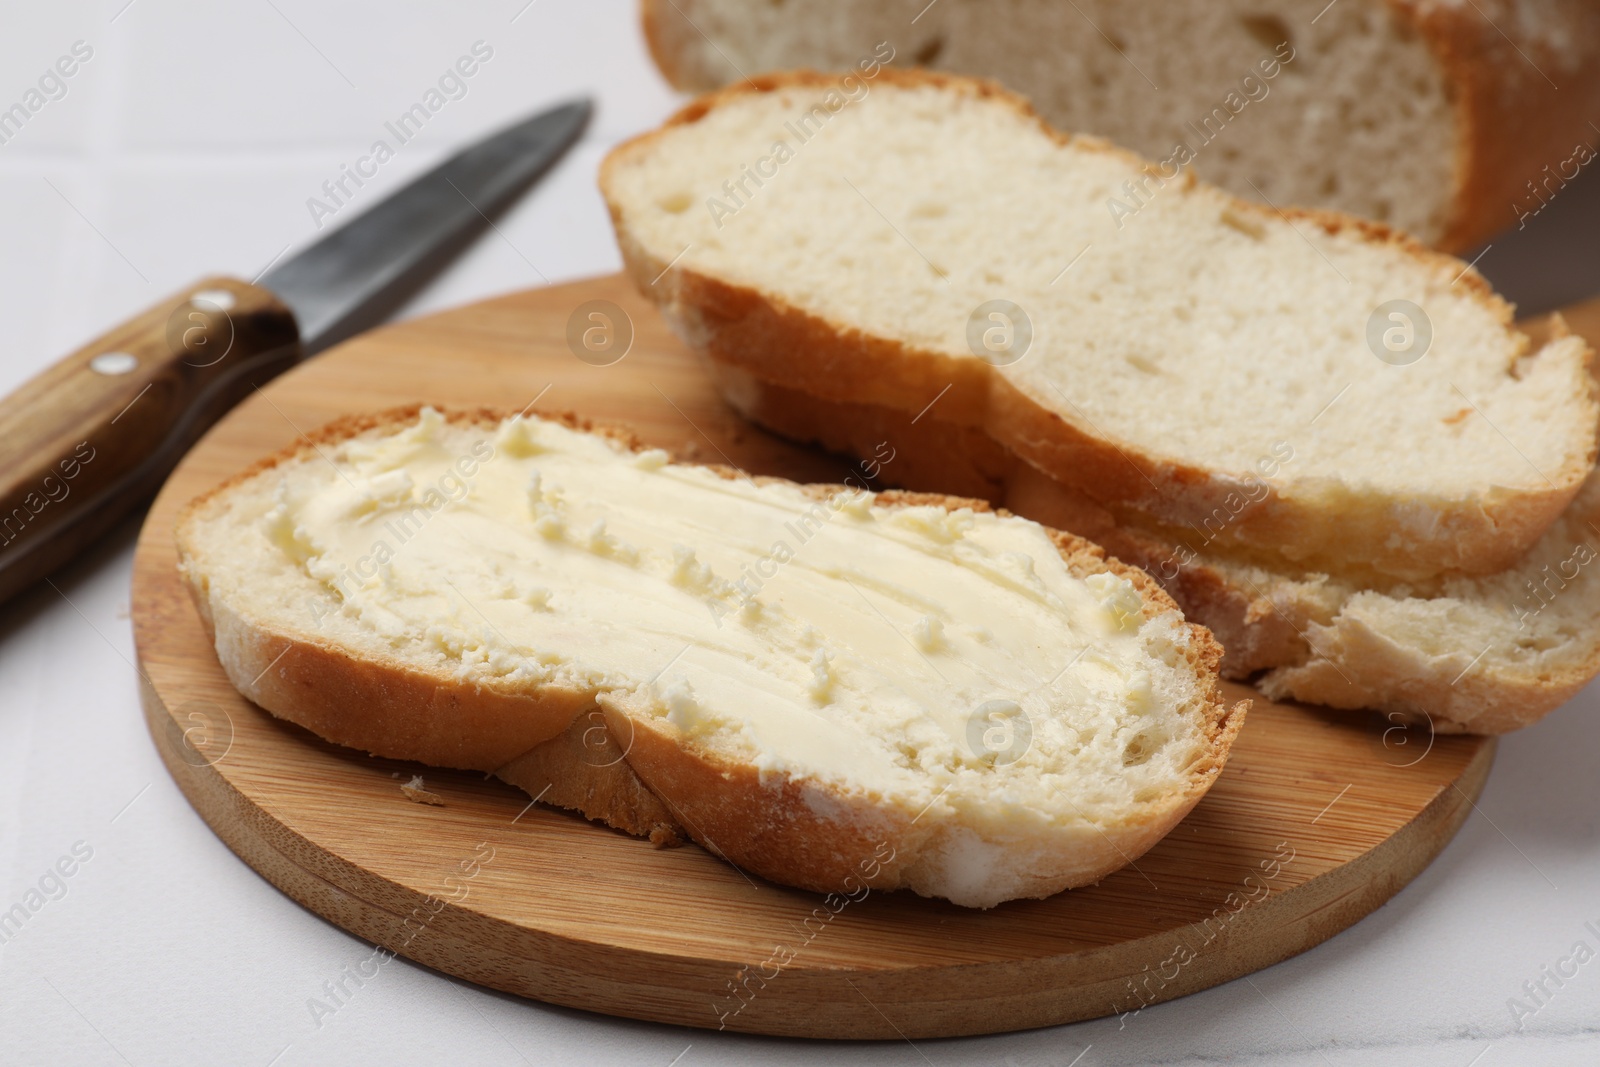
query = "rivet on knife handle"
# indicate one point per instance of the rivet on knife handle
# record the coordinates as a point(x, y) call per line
point(93, 435)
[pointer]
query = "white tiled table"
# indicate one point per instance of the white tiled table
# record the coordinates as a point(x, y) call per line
point(189, 144)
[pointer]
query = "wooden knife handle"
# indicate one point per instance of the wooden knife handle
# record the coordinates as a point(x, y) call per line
point(89, 438)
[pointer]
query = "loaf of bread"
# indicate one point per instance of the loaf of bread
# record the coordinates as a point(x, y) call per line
point(1318, 392)
point(1448, 120)
point(827, 687)
point(1483, 655)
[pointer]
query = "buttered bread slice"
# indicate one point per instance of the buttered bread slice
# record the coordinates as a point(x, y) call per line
point(827, 687)
point(1313, 390)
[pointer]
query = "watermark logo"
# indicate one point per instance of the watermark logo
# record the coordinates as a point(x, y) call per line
point(599, 332)
point(199, 732)
point(1137, 194)
point(600, 748)
point(408, 514)
point(753, 576)
point(1251, 490)
point(1408, 740)
point(736, 193)
point(999, 732)
point(1543, 186)
point(1542, 988)
point(51, 886)
point(200, 330)
point(337, 192)
point(50, 87)
point(999, 332)
point(1553, 580)
point(53, 488)
point(337, 992)
point(1154, 982)
point(749, 981)
point(1399, 332)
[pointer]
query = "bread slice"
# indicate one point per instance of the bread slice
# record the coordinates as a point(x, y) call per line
point(1481, 655)
point(828, 688)
point(1442, 119)
point(1206, 363)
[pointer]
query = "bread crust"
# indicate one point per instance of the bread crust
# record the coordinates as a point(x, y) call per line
point(761, 334)
point(637, 773)
point(1308, 635)
point(1506, 112)
point(1515, 99)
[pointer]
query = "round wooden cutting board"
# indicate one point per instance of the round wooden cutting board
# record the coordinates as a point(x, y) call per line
point(1318, 819)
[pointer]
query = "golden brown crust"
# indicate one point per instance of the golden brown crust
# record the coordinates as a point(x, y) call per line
point(425, 717)
point(745, 330)
point(392, 710)
point(585, 769)
point(620, 770)
point(768, 828)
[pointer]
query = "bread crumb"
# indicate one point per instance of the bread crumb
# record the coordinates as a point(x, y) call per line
point(418, 795)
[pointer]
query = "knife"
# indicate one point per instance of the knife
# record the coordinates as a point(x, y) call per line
point(88, 439)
